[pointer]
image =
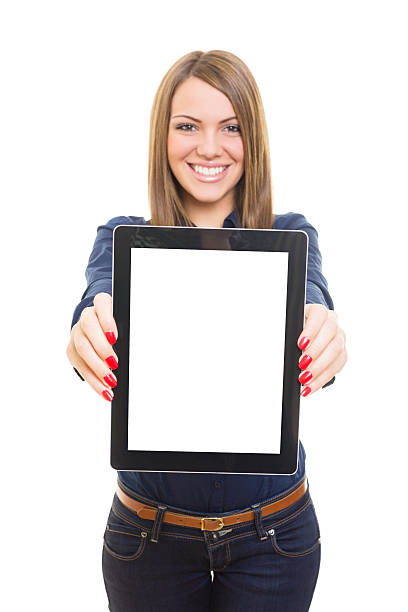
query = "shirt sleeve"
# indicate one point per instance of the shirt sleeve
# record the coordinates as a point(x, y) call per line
point(317, 291)
point(98, 273)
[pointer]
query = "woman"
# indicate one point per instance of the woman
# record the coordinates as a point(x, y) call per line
point(208, 166)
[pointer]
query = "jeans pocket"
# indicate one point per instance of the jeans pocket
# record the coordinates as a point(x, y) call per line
point(297, 535)
point(124, 540)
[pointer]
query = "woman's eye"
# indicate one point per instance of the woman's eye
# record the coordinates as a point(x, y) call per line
point(184, 125)
point(236, 130)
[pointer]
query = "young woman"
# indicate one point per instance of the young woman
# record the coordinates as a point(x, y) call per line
point(208, 166)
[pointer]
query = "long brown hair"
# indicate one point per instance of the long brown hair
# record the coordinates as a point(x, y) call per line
point(253, 192)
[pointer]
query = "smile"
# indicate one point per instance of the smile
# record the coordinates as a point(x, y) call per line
point(208, 175)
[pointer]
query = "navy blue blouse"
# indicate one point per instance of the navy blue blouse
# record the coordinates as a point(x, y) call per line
point(206, 493)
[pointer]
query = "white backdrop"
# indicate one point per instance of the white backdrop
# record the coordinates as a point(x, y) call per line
point(78, 80)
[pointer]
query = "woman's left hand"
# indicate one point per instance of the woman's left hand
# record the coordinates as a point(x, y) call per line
point(324, 354)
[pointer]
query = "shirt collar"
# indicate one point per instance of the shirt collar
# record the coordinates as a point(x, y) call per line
point(230, 221)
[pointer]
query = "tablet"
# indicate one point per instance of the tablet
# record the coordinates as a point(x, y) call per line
point(208, 321)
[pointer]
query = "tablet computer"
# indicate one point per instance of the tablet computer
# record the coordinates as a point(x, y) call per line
point(208, 321)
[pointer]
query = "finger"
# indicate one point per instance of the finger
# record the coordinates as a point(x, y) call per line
point(325, 376)
point(315, 316)
point(324, 329)
point(104, 312)
point(324, 362)
point(86, 351)
point(89, 376)
point(91, 328)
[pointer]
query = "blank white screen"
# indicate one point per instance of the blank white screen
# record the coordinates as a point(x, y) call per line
point(206, 350)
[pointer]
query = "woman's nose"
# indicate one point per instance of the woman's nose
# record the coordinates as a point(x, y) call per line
point(209, 146)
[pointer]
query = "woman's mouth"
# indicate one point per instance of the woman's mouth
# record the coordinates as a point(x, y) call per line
point(208, 175)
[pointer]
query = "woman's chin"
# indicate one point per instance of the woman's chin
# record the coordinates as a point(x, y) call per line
point(208, 194)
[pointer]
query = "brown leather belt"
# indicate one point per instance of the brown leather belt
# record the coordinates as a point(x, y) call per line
point(207, 523)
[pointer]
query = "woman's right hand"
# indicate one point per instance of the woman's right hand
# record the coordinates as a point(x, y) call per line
point(90, 351)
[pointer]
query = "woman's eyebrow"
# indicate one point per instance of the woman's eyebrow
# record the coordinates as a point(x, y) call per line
point(199, 120)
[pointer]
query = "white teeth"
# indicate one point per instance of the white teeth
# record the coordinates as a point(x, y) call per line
point(209, 171)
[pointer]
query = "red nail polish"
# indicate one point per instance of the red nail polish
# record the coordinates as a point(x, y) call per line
point(112, 363)
point(305, 377)
point(110, 380)
point(305, 391)
point(111, 337)
point(107, 395)
point(303, 342)
point(304, 362)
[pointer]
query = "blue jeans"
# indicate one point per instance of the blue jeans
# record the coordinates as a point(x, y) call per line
point(267, 564)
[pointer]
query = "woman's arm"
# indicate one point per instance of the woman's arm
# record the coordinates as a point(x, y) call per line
point(99, 269)
point(317, 291)
point(325, 353)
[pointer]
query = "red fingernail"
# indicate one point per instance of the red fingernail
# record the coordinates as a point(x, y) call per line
point(305, 377)
point(112, 363)
point(306, 391)
point(303, 342)
point(304, 362)
point(110, 380)
point(108, 396)
point(111, 337)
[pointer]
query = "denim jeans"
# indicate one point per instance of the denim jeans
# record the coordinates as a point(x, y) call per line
point(266, 564)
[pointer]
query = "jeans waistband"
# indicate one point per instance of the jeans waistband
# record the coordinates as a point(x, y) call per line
point(179, 509)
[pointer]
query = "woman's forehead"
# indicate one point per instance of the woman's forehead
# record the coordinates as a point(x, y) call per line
point(197, 98)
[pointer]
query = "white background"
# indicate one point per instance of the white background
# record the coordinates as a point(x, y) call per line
point(78, 80)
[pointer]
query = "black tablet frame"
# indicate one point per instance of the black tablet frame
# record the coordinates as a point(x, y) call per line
point(295, 243)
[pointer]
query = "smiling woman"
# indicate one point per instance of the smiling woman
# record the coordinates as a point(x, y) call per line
point(206, 156)
point(209, 166)
point(208, 113)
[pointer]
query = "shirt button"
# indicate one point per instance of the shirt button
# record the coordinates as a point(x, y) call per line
point(217, 484)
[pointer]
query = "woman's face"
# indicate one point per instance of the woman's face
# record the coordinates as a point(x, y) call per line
point(204, 133)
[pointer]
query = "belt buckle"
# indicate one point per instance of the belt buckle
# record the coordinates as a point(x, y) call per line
point(212, 518)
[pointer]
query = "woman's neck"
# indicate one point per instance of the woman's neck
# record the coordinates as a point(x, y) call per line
point(208, 214)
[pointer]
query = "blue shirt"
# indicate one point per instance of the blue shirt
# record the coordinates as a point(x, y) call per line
point(206, 493)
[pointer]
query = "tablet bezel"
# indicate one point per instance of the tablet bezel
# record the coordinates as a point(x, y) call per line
point(293, 242)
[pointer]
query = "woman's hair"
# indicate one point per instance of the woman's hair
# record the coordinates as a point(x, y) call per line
point(253, 192)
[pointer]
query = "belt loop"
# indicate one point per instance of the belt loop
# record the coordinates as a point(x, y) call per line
point(158, 523)
point(258, 521)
